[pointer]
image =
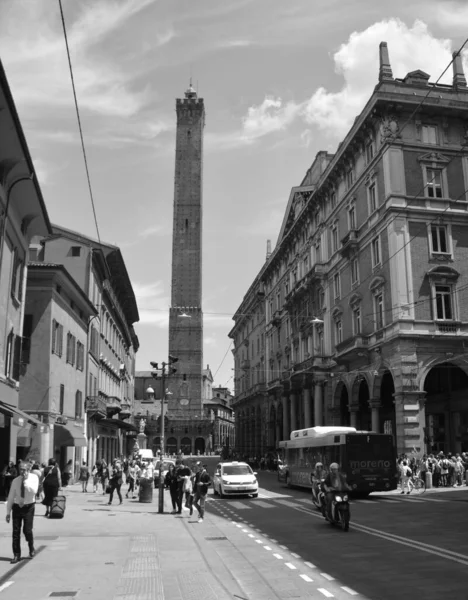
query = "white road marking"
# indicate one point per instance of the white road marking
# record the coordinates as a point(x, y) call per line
point(239, 505)
point(278, 556)
point(326, 593)
point(290, 566)
point(6, 585)
point(295, 555)
point(283, 547)
point(310, 565)
point(306, 578)
point(245, 530)
point(267, 548)
point(288, 503)
point(259, 541)
point(274, 541)
point(264, 504)
point(251, 535)
point(327, 576)
point(349, 590)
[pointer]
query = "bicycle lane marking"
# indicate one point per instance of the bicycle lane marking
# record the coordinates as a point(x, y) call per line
point(390, 537)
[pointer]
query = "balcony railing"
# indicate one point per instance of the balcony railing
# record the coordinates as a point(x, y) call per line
point(96, 405)
point(318, 272)
point(349, 242)
point(448, 328)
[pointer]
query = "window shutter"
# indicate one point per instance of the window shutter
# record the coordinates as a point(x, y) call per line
point(26, 342)
point(15, 273)
point(17, 358)
point(54, 335)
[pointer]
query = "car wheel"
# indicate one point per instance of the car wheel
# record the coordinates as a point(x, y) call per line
point(255, 495)
point(221, 495)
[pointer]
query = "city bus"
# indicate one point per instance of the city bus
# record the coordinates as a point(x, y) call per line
point(368, 459)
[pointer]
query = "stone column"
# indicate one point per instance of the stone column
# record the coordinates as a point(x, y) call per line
point(292, 398)
point(286, 429)
point(307, 409)
point(410, 414)
point(318, 404)
point(375, 409)
point(353, 410)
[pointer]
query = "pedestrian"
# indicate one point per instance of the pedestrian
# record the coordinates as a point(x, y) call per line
point(95, 476)
point(36, 470)
point(9, 473)
point(115, 481)
point(67, 473)
point(181, 472)
point(202, 481)
point(22, 502)
point(84, 476)
point(103, 475)
point(51, 483)
point(170, 481)
point(131, 478)
point(188, 492)
point(405, 475)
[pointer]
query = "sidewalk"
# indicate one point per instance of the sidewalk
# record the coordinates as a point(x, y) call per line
point(130, 552)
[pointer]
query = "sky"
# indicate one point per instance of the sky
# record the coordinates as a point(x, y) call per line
point(280, 81)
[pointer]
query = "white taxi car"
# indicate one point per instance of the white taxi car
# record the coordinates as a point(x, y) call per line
point(235, 478)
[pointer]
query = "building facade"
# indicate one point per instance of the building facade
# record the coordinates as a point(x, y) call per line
point(22, 215)
point(53, 364)
point(99, 270)
point(365, 295)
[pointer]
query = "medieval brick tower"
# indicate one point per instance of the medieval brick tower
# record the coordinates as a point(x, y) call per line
point(186, 317)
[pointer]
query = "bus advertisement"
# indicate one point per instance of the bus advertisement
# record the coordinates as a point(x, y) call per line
point(367, 459)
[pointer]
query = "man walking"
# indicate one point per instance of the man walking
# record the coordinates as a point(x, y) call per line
point(202, 481)
point(22, 501)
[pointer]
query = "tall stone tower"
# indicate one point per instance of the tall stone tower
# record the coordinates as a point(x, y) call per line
point(186, 332)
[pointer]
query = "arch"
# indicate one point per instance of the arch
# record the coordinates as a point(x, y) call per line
point(387, 415)
point(171, 445)
point(364, 415)
point(186, 445)
point(200, 445)
point(446, 387)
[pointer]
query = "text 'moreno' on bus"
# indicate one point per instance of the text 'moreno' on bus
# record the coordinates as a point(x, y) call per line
point(368, 459)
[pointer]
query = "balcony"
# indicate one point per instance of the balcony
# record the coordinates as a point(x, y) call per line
point(276, 318)
point(349, 243)
point(318, 272)
point(113, 405)
point(448, 328)
point(96, 407)
point(352, 348)
point(299, 289)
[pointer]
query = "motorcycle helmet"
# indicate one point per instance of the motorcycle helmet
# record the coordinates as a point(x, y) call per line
point(334, 466)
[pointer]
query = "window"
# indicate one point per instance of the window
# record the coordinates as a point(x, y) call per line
point(94, 343)
point(62, 399)
point(57, 338)
point(9, 354)
point(429, 134)
point(369, 151)
point(352, 217)
point(78, 404)
point(338, 331)
point(334, 237)
point(439, 239)
point(354, 267)
point(306, 264)
point(350, 177)
point(27, 333)
point(333, 200)
point(443, 302)
point(372, 197)
point(337, 286)
point(357, 320)
point(80, 356)
point(318, 252)
point(71, 348)
point(379, 310)
point(17, 277)
point(434, 183)
point(76, 251)
point(375, 249)
point(321, 298)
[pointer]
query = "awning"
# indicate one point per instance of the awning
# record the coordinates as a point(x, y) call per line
point(14, 411)
point(118, 423)
point(70, 434)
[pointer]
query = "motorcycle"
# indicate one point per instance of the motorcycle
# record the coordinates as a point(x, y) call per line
point(340, 513)
point(318, 498)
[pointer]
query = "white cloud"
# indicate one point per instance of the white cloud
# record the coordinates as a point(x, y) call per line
point(237, 44)
point(270, 116)
point(150, 231)
point(153, 303)
point(452, 15)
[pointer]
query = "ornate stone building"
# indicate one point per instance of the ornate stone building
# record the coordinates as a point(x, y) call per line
point(362, 307)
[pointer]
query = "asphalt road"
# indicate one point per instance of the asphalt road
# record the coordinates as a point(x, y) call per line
point(397, 546)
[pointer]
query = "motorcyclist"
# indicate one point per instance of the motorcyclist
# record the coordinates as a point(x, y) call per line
point(335, 481)
point(316, 478)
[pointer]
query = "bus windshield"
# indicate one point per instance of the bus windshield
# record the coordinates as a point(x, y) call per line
point(367, 453)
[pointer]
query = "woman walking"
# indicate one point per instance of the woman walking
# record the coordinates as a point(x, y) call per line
point(51, 484)
point(131, 477)
point(103, 475)
point(84, 476)
point(115, 481)
point(170, 481)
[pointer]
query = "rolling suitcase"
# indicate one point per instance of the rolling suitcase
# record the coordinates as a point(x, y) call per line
point(57, 510)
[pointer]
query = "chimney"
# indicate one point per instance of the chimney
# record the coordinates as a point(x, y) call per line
point(385, 69)
point(459, 80)
point(268, 252)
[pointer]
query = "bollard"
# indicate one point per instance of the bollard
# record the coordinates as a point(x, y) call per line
point(146, 489)
point(428, 480)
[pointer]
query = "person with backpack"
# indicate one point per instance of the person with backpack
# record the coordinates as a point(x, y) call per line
point(115, 480)
point(444, 471)
point(201, 483)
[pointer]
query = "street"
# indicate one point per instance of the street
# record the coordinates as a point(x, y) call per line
point(273, 547)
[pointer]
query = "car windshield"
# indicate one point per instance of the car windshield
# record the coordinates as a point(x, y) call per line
point(237, 470)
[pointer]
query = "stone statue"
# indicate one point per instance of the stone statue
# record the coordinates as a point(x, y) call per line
point(142, 425)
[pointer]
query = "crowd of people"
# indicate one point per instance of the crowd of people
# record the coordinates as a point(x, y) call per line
point(188, 488)
point(448, 470)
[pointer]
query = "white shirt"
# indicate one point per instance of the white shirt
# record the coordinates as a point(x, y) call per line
point(31, 485)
